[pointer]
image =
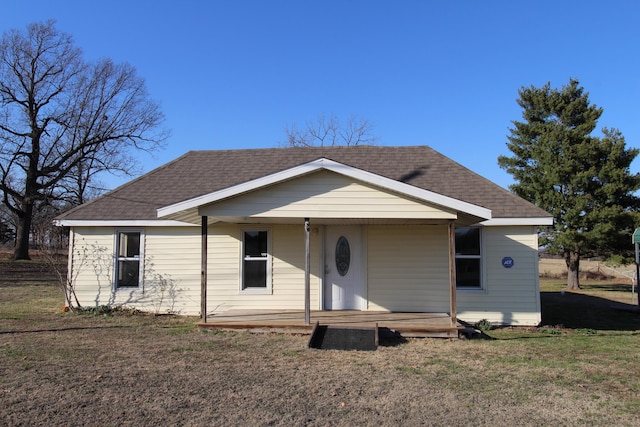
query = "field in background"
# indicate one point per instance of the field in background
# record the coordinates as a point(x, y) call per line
point(589, 269)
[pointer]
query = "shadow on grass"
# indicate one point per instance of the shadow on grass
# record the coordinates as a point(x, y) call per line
point(389, 338)
point(71, 328)
point(609, 287)
point(583, 311)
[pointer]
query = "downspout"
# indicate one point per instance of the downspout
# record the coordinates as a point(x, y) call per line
point(72, 238)
point(307, 274)
point(452, 274)
point(203, 270)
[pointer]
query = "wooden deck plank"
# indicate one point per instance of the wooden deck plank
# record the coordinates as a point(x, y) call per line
point(408, 324)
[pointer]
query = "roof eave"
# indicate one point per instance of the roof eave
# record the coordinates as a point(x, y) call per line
point(537, 221)
point(120, 223)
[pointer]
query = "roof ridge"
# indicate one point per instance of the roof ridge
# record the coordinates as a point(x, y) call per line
point(316, 148)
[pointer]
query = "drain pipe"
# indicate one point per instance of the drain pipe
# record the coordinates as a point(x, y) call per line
point(307, 274)
point(204, 256)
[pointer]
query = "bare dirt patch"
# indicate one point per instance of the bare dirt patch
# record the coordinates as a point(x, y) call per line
point(133, 369)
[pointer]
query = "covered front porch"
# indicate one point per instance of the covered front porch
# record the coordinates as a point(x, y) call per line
point(349, 246)
point(425, 325)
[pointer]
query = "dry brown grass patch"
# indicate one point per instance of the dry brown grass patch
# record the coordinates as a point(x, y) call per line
point(122, 369)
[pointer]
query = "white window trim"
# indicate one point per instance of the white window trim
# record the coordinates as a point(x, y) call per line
point(269, 259)
point(483, 270)
point(116, 258)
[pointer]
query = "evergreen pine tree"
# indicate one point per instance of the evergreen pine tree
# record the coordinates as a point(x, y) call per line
point(584, 181)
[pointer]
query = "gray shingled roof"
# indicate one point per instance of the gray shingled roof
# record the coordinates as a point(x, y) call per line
point(201, 172)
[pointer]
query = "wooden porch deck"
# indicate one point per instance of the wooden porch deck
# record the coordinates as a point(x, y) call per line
point(292, 321)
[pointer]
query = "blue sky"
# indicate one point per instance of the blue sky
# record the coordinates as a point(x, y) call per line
point(233, 74)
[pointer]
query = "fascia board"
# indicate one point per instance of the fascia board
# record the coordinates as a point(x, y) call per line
point(518, 221)
point(367, 177)
point(121, 223)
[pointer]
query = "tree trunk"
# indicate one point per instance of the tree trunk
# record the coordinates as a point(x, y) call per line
point(573, 270)
point(21, 250)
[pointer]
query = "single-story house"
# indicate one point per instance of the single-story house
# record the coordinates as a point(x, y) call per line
point(367, 228)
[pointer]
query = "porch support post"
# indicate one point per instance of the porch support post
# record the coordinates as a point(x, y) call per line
point(452, 273)
point(307, 274)
point(203, 270)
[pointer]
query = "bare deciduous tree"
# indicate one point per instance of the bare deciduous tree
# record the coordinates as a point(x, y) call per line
point(329, 131)
point(62, 120)
point(6, 226)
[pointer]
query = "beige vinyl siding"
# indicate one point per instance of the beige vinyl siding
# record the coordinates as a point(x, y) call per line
point(511, 295)
point(324, 194)
point(287, 269)
point(289, 266)
point(408, 268)
point(171, 269)
point(91, 251)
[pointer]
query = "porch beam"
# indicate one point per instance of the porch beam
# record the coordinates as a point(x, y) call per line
point(307, 273)
point(452, 273)
point(203, 269)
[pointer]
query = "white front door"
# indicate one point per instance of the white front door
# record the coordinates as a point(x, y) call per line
point(344, 268)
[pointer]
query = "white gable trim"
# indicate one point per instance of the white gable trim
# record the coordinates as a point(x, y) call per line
point(361, 175)
point(121, 223)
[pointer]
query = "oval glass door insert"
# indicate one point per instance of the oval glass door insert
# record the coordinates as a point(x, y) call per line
point(343, 256)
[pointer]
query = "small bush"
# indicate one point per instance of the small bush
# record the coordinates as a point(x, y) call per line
point(484, 325)
point(617, 260)
point(106, 310)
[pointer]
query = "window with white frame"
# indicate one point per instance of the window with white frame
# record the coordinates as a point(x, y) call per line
point(129, 259)
point(256, 269)
point(468, 258)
